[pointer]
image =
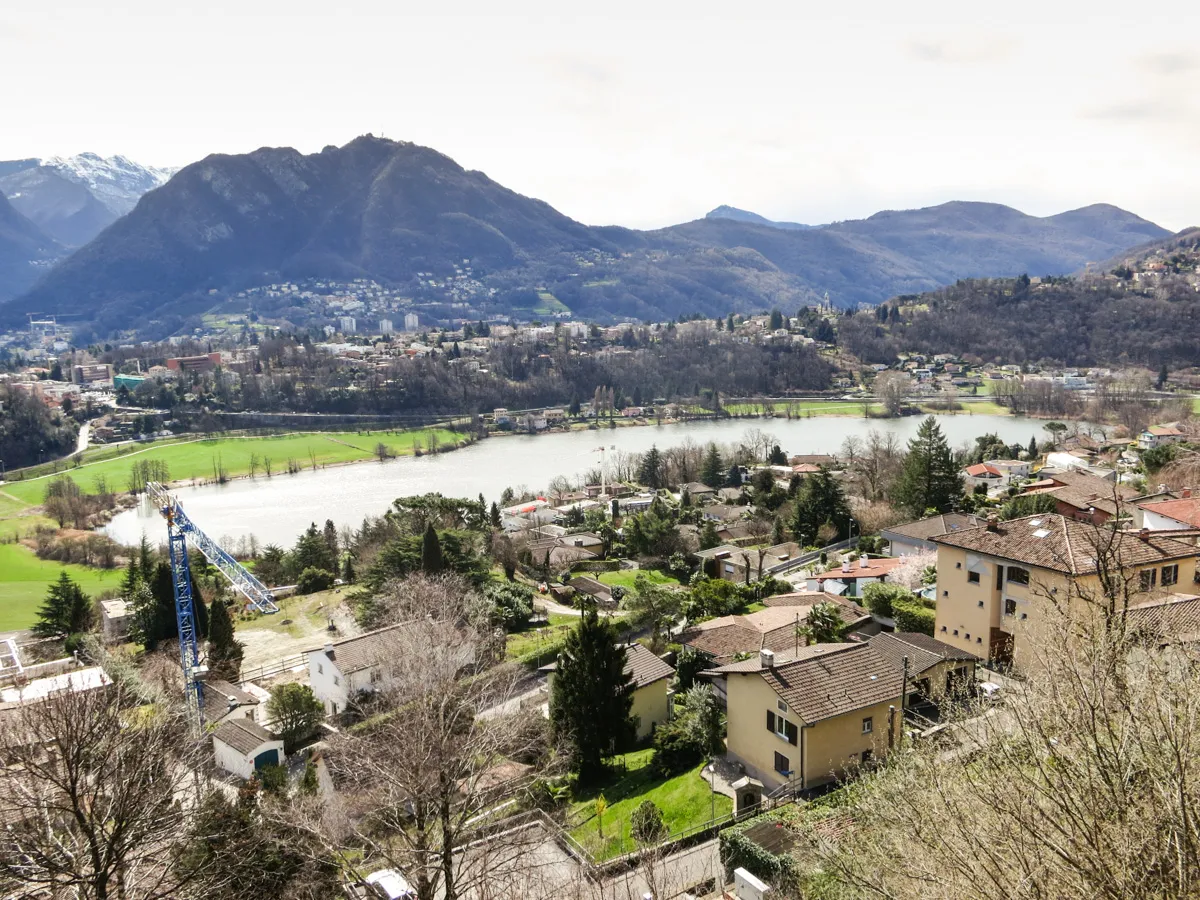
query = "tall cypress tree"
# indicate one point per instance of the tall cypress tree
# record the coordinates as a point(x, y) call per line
point(592, 695)
point(224, 650)
point(712, 471)
point(820, 500)
point(431, 552)
point(930, 479)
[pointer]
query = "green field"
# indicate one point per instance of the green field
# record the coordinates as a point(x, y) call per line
point(24, 579)
point(199, 459)
point(626, 577)
point(532, 641)
point(803, 408)
point(685, 802)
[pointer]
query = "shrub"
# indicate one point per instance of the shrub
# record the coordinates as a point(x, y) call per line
point(274, 779)
point(646, 824)
point(739, 852)
point(912, 616)
point(312, 580)
point(881, 598)
point(512, 603)
point(675, 749)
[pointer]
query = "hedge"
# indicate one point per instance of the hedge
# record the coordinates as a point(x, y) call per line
point(597, 565)
point(913, 617)
point(739, 852)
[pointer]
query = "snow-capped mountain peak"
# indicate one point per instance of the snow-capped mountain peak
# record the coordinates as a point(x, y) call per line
point(116, 181)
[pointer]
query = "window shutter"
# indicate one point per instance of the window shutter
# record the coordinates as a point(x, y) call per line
point(793, 733)
point(770, 721)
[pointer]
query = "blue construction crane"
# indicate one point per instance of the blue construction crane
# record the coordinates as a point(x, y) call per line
point(258, 595)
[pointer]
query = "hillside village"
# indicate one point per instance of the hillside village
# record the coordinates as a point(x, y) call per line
point(637, 632)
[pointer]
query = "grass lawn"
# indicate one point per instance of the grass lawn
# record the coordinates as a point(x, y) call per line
point(804, 408)
point(685, 802)
point(532, 640)
point(626, 577)
point(24, 579)
point(198, 459)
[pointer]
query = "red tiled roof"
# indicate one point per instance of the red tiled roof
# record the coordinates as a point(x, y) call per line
point(1186, 510)
point(875, 568)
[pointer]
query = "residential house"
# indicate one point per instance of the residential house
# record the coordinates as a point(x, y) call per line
point(995, 584)
point(827, 709)
point(1160, 435)
point(224, 701)
point(913, 538)
point(744, 565)
point(983, 474)
point(935, 669)
point(652, 690)
point(719, 512)
point(1080, 461)
point(723, 640)
point(1172, 515)
point(242, 747)
point(341, 669)
point(1083, 497)
point(699, 493)
point(852, 577)
point(590, 587)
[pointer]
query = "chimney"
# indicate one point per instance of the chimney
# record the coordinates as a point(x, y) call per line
point(1144, 534)
point(845, 565)
point(993, 524)
point(766, 658)
point(1162, 488)
point(1187, 493)
point(329, 650)
point(863, 561)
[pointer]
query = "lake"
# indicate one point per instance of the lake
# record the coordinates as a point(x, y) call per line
point(278, 509)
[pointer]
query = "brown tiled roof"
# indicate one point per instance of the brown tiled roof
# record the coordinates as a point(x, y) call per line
point(1173, 619)
point(358, 653)
point(924, 529)
point(1080, 499)
point(242, 735)
point(644, 666)
point(874, 568)
point(923, 651)
point(827, 680)
point(1098, 487)
point(773, 628)
point(1064, 545)
point(802, 598)
point(221, 696)
point(589, 586)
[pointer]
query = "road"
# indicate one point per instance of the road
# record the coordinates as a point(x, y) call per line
point(85, 435)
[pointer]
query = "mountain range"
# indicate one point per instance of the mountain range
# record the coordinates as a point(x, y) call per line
point(744, 215)
point(399, 213)
point(72, 199)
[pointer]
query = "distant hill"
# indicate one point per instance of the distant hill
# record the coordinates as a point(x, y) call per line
point(74, 198)
point(744, 215)
point(25, 251)
point(407, 215)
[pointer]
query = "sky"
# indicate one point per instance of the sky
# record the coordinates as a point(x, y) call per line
point(644, 113)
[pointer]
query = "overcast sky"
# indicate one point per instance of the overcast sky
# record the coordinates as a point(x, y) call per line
point(644, 113)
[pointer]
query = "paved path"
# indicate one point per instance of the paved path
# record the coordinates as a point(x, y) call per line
point(85, 434)
point(673, 875)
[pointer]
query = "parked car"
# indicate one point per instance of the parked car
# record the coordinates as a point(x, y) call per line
point(990, 692)
point(388, 884)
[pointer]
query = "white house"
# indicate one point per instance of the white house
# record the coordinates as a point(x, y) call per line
point(1158, 436)
point(224, 701)
point(1172, 515)
point(339, 670)
point(242, 747)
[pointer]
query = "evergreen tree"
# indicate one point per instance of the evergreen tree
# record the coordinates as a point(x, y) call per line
point(1033, 447)
point(495, 515)
point(729, 322)
point(131, 578)
point(1163, 374)
point(592, 695)
point(348, 575)
point(712, 471)
point(650, 471)
point(329, 535)
point(930, 478)
point(66, 609)
point(777, 457)
point(145, 559)
point(776, 320)
point(225, 651)
point(708, 535)
point(820, 501)
point(777, 533)
point(431, 552)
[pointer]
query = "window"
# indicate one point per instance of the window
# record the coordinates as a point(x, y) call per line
point(1170, 575)
point(999, 577)
point(336, 680)
point(1149, 577)
point(783, 765)
point(972, 578)
point(320, 669)
point(868, 725)
point(1010, 606)
point(867, 755)
point(1017, 575)
point(781, 706)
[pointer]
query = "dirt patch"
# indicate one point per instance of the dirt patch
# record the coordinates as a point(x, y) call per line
point(301, 624)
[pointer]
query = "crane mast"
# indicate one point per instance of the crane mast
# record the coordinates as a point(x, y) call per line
point(258, 595)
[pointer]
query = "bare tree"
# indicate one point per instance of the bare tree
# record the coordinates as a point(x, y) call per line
point(93, 798)
point(892, 389)
point(420, 782)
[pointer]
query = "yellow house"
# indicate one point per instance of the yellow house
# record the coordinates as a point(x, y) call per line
point(935, 670)
point(807, 717)
point(652, 679)
point(996, 583)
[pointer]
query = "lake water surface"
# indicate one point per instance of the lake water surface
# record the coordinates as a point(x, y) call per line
point(277, 509)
